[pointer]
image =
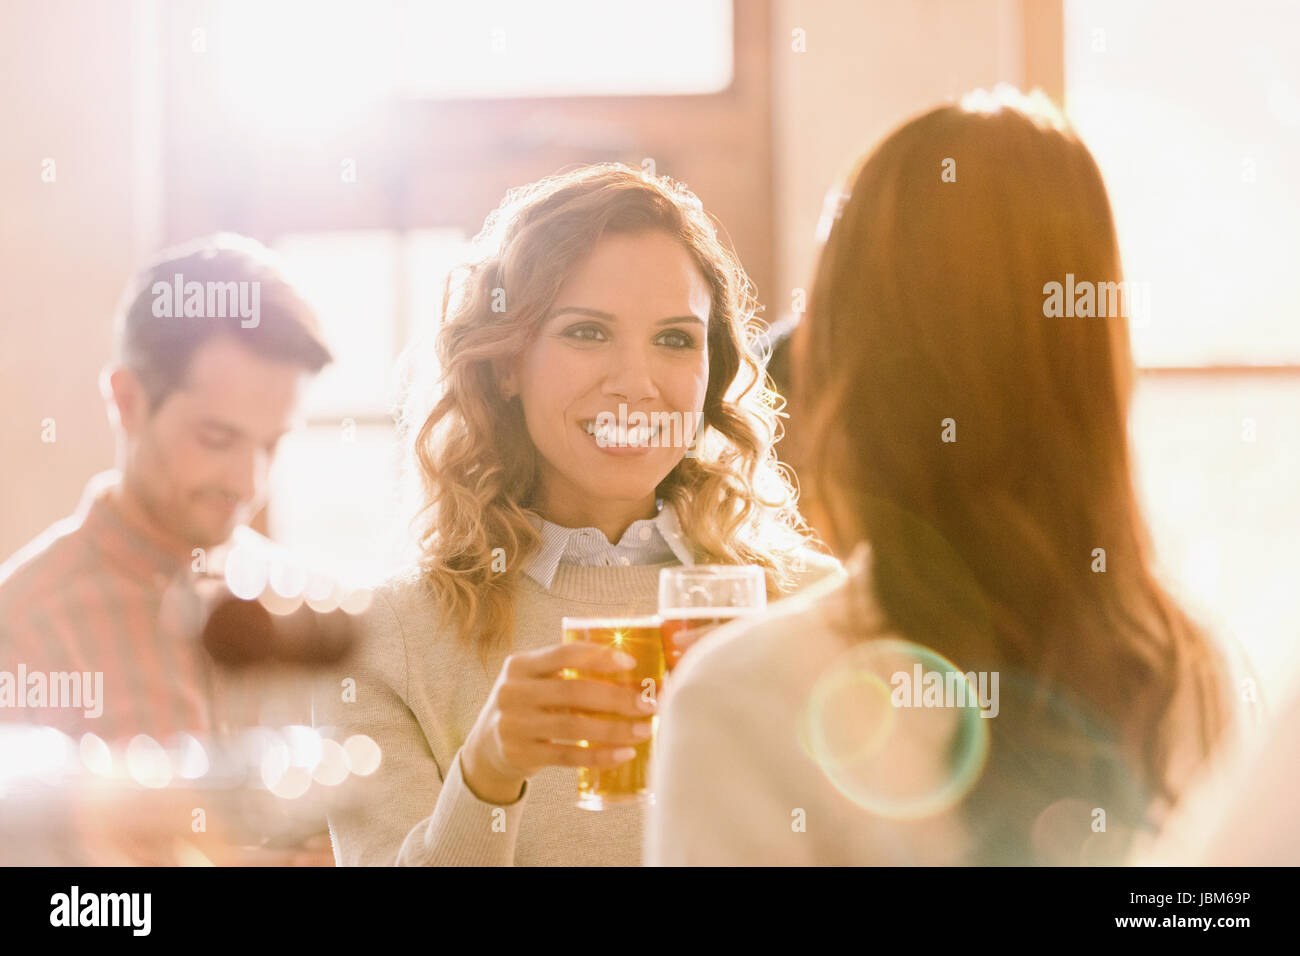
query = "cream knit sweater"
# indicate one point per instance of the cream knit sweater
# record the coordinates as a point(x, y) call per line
point(419, 690)
point(735, 783)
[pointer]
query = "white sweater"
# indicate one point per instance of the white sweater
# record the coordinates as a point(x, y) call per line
point(736, 781)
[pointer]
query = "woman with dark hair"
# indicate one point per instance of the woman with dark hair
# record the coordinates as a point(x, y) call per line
point(1002, 679)
point(601, 416)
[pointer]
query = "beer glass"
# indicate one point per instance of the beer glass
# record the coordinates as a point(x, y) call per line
point(640, 638)
point(702, 597)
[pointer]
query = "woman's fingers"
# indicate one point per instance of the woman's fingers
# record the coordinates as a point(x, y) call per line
point(529, 696)
point(569, 728)
point(594, 758)
point(539, 711)
point(575, 656)
point(687, 636)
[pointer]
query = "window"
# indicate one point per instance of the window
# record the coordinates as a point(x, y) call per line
point(282, 58)
point(339, 487)
point(356, 131)
point(1195, 123)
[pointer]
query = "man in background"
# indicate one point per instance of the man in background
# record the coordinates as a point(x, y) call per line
point(98, 614)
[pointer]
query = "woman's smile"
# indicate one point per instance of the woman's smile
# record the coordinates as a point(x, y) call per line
point(617, 436)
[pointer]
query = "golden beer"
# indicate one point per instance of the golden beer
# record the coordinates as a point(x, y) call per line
point(703, 597)
point(640, 638)
point(677, 620)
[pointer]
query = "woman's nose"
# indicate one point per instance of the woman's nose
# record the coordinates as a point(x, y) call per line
point(630, 376)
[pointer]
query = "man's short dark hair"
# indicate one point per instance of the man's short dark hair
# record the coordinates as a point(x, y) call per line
point(158, 348)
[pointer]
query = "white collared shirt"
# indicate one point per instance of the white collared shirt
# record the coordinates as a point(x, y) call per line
point(647, 541)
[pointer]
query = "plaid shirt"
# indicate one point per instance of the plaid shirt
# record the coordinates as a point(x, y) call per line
point(99, 592)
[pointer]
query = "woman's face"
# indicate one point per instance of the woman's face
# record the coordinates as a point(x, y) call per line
point(628, 334)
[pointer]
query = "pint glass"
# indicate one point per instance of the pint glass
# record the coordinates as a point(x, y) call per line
point(702, 597)
point(640, 638)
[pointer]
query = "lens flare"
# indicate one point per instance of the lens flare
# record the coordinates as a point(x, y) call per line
point(887, 747)
point(1059, 831)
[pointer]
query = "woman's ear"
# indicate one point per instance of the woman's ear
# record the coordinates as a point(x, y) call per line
point(508, 380)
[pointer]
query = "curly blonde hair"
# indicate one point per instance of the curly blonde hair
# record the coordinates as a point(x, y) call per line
point(478, 467)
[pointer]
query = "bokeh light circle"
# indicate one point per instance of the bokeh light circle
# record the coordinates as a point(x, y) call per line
point(147, 762)
point(246, 573)
point(95, 754)
point(363, 754)
point(333, 766)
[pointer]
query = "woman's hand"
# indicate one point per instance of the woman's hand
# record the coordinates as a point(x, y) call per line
point(534, 717)
point(682, 640)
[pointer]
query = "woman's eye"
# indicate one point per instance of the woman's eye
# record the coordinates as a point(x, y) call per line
point(677, 339)
point(585, 333)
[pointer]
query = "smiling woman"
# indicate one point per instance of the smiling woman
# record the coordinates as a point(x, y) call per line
point(602, 305)
point(597, 289)
point(629, 336)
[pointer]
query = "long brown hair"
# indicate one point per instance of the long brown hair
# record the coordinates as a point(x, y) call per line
point(980, 447)
point(479, 467)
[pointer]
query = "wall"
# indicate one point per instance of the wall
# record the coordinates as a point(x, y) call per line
point(65, 246)
point(836, 99)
